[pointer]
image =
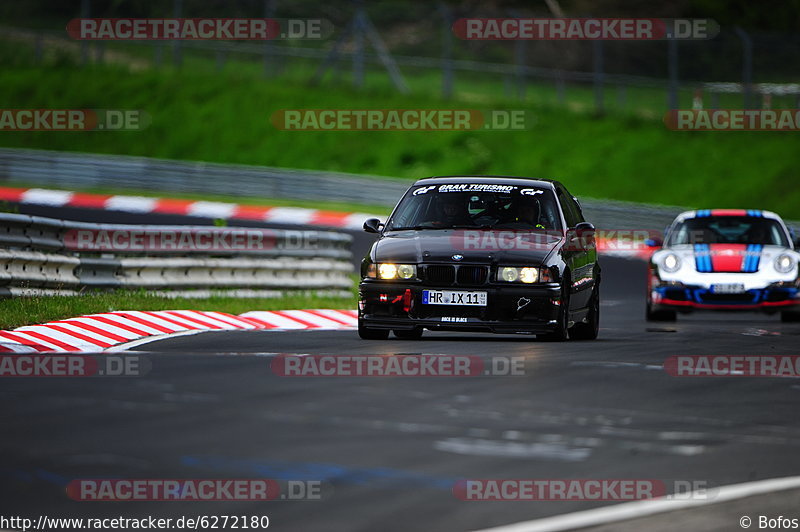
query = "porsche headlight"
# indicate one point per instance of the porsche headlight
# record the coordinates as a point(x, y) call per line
point(784, 263)
point(671, 263)
point(387, 271)
point(523, 274)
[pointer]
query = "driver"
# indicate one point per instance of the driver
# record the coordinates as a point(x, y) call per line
point(453, 210)
point(528, 213)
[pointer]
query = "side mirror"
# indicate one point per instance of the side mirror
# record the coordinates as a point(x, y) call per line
point(584, 234)
point(373, 225)
point(654, 242)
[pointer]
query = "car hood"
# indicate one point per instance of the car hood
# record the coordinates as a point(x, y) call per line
point(475, 246)
point(726, 258)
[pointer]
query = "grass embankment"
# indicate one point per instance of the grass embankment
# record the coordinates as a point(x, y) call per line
point(225, 118)
point(32, 310)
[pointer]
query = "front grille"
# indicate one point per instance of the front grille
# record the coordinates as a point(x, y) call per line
point(456, 275)
point(440, 274)
point(472, 275)
point(709, 297)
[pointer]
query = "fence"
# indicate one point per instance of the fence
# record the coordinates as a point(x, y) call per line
point(48, 256)
point(599, 75)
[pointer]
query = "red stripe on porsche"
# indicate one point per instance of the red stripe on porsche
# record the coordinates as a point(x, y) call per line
point(727, 257)
point(728, 212)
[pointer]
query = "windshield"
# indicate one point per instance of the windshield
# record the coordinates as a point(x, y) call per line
point(729, 230)
point(476, 205)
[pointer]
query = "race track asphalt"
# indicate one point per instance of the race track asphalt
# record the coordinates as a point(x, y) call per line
point(389, 450)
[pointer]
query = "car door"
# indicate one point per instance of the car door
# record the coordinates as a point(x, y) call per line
point(580, 252)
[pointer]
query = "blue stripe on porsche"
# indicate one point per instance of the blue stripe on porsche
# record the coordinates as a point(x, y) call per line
point(703, 213)
point(752, 258)
point(755, 213)
point(702, 258)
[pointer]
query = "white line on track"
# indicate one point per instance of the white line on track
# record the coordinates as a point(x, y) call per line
point(637, 509)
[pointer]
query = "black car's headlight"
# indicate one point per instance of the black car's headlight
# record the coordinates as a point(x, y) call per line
point(388, 271)
point(524, 274)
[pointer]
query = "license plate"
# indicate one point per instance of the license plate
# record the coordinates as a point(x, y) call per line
point(733, 288)
point(453, 297)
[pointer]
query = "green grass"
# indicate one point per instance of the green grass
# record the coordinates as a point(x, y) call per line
point(32, 310)
point(199, 114)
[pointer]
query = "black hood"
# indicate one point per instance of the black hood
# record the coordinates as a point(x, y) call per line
point(476, 247)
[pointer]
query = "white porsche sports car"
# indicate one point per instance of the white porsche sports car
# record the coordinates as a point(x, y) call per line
point(725, 259)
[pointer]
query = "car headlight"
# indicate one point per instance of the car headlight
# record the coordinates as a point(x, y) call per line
point(671, 263)
point(523, 274)
point(784, 263)
point(387, 270)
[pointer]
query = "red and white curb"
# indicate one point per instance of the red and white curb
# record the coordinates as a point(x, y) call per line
point(205, 209)
point(112, 330)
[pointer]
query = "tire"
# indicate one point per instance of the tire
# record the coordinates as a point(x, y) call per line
point(660, 315)
point(590, 329)
point(561, 332)
point(788, 316)
point(414, 334)
point(366, 333)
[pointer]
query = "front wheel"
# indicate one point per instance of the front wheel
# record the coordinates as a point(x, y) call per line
point(589, 329)
point(560, 333)
point(660, 315)
point(366, 333)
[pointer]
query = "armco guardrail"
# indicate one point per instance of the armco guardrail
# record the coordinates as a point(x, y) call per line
point(44, 255)
point(83, 170)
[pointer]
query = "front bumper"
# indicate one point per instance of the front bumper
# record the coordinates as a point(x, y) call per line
point(509, 309)
point(687, 297)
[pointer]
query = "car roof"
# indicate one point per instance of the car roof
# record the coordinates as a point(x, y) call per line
point(706, 213)
point(497, 179)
